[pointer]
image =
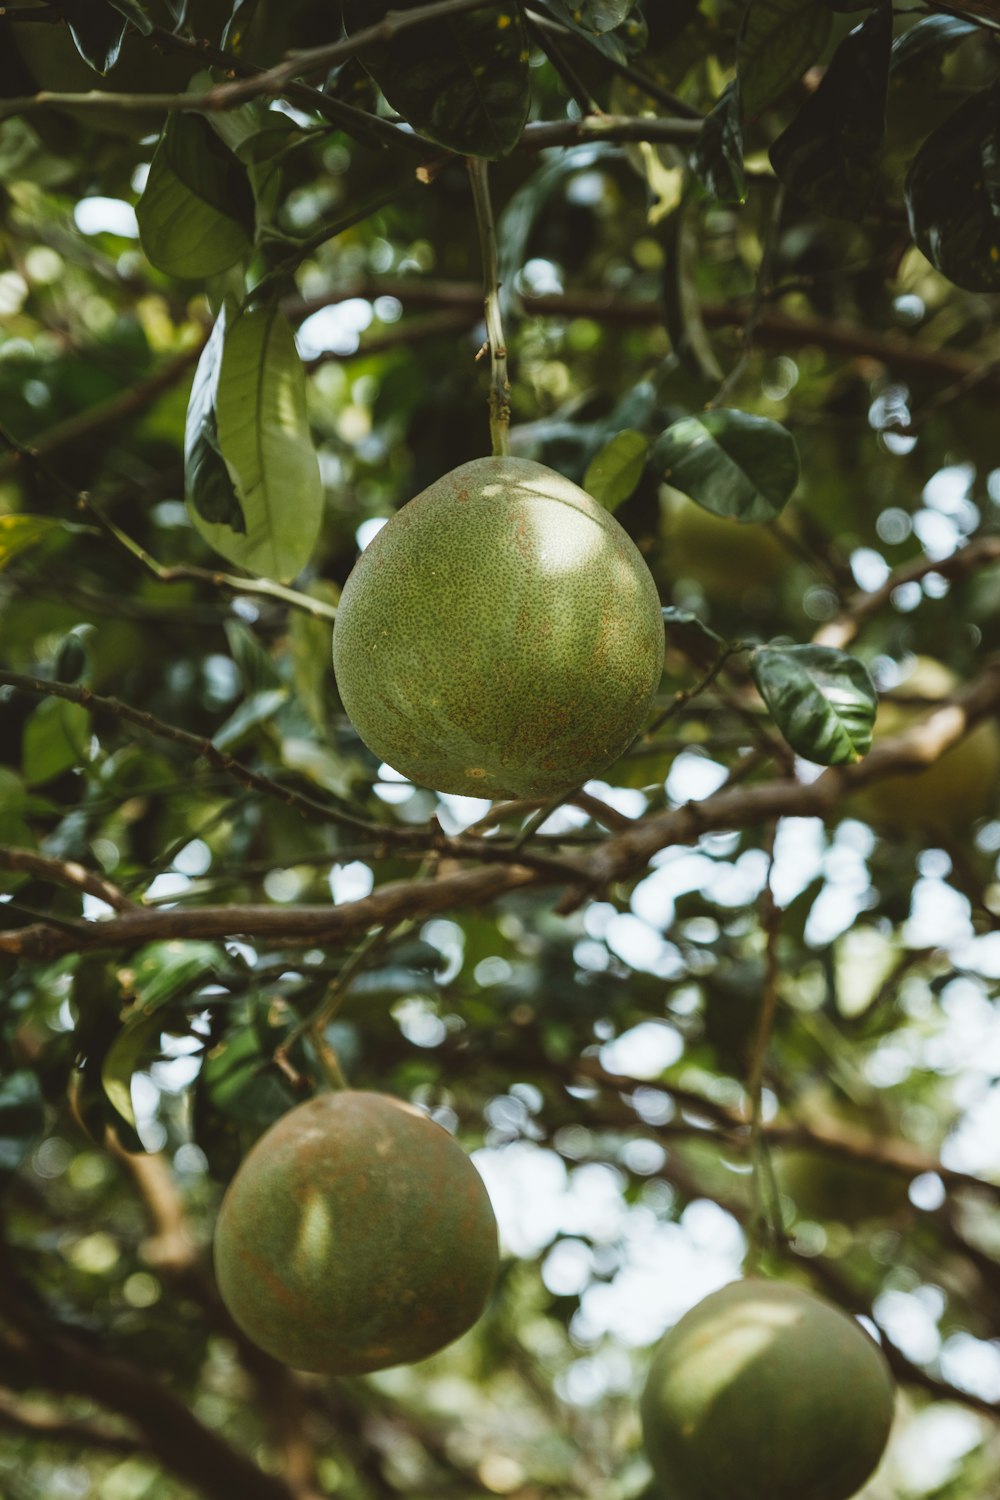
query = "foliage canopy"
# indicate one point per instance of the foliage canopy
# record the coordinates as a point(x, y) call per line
point(738, 264)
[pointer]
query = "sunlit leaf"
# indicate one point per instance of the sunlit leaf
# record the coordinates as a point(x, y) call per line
point(196, 214)
point(614, 472)
point(823, 701)
point(263, 436)
point(56, 738)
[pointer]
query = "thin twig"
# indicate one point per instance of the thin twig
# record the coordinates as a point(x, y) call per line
point(66, 872)
point(499, 383)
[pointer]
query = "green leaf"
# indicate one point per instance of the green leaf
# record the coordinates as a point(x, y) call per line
point(263, 436)
point(133, 11)
point(97, 30)
point(597, 15)
point(462, 81)
point(718, 152)
point(681, 300)
point(209, 488)
point(56, 738)
point(830, 154)
point(240, 1081)
point(953, 195)
point(822, 700)
point(18, 533)
point(137, 1038)
point(733, 464)
point(163, 971)
point(929, 38)
point(778, 41)
point(684, 625)
point(22, 1118)
point(614, 472)
point(196, 213)
point(257, 709)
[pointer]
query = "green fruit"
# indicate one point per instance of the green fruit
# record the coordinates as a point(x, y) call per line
point(356, 1235)
point(956, 789)
point(765, 1392)
point(500, 635)
point(828, 1187)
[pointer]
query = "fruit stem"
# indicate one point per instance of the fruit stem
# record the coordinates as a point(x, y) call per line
point(765, 1220)
point(499, 383)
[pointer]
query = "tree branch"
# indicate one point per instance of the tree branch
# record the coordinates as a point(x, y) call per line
point(619, 858)
point(34, 1420)
point(65, 872)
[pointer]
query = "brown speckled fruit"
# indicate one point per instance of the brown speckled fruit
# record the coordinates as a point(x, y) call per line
point(765, 1392)
point(356, 1235)
point(500, 635)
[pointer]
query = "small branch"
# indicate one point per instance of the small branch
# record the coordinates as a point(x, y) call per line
point(840, 632)
point(32, 1419)
point(767, 1203)
point(114, 412)
point(499, 383)
point(65, 872)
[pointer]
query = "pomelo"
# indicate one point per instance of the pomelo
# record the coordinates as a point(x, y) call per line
point(500, 635)
point(355, 1235)
point(765, 1390)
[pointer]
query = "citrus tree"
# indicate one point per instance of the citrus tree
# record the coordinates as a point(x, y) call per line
point(712, 995)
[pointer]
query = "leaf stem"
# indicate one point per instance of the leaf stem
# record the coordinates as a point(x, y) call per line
point(499, 383)
point(766, 1218)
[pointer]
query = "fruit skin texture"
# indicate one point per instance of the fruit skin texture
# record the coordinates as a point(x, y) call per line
point(355, 1235)
point(765, 1392)
point(500, 635)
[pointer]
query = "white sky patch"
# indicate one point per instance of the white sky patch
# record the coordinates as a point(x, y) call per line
point(170, 883)
point(694, 777)
point(638, 945)
point(336, 329)
point(351, 882)
point(798, 857)
point(939, 916)
point(106, 216)
point(910, 1320)
point(933, 1443)
point(644, 1051)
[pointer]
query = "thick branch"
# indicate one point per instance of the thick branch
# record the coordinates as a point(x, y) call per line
point(619, 858)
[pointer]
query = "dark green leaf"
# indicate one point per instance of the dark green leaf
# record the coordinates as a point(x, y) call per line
point(22, 1118)
point(241, 1081)
point(778, 41)
point(614, 472)
point(133, 11)
point(681, 302)
point(597, 15)
point(953, 195)
point(56, 738)
point(97, 28)
point(210, 490)
point(718, 153)
point(930, 37)
point(163, 971)
point(733, 464)
point(822, 700)
point(196, 213)
point(829, 155)
point(463, 81)
point(609, 44)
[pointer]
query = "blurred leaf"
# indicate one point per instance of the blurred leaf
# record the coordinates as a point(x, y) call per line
point(463, 81)
point(257, 709)
point(18, 533)
point(97, 28)
point(614, 472)
point(22, 1118)
point(778, 41)
point(733, 464)
point(163, 971)
point(196, 214)
point(23, 158)
point(56, 738)
point(718, 152)
point(822, 700)
point(134, 12)
point(953, 194)
point(829, 155)
point(931, 36)
point(240, 1080)
point(681, 300)
point(311, 643)
point(683, 626)
point(209, 488)
point(136, 1040)
point(597, 15)
point(264, 438)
